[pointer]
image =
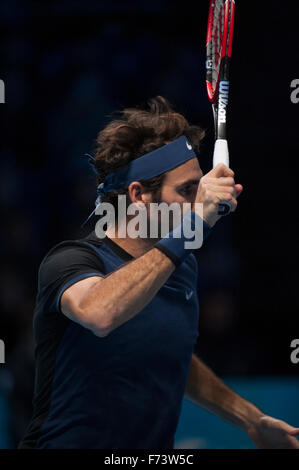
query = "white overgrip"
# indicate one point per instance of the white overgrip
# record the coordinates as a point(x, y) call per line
point(221, 154)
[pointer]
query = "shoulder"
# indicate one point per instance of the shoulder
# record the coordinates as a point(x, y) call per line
point(65, 264)
point(69, 257)
point(67, 248)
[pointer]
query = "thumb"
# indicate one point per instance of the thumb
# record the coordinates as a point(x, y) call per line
point(239, 188)
point(294, 432)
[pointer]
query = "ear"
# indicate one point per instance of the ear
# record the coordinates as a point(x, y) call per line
point(137, 194)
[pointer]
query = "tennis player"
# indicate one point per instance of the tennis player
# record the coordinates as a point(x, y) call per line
point(116, 319)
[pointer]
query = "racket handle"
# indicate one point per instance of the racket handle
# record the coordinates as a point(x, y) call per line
point(221, 155)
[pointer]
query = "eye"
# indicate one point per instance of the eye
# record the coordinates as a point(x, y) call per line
point(186, 190)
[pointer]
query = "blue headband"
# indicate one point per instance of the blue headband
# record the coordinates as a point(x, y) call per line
point(149, 165)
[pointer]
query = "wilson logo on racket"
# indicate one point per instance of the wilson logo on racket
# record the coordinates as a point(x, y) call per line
point(218, 55)
point(223, 101)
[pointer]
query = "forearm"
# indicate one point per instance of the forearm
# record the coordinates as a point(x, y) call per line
point(208, 391)
point(117, 298)
point(112, 301)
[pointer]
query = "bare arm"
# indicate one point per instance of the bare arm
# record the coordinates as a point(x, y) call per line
point(205, 389)
point(103, 304)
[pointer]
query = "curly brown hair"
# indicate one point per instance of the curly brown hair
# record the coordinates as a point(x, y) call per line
point(139, 131)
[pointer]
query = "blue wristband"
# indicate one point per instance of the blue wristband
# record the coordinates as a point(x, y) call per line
point(173, 245)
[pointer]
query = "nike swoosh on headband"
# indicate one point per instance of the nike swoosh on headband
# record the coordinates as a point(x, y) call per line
point(147, 166)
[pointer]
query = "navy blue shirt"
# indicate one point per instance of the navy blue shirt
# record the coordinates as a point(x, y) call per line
point(124, 390)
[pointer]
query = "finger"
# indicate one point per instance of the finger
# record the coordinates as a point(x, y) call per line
point(224, 180)
point(295, 444)
point(294, 432)
point(215, 188)
point(282, 425)
point(221, 170)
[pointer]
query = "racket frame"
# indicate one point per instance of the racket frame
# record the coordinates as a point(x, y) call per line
point(219, 95)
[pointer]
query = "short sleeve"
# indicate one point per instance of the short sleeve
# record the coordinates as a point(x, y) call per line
point(63, 266)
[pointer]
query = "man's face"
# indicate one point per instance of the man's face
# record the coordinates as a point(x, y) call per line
point(180, 186)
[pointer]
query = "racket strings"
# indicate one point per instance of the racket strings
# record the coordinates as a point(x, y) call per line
point(216, 43)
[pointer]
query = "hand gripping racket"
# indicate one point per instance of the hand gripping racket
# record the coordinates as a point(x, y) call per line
point(219, 48)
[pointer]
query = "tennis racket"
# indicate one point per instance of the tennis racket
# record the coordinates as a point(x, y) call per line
point(219, 48)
